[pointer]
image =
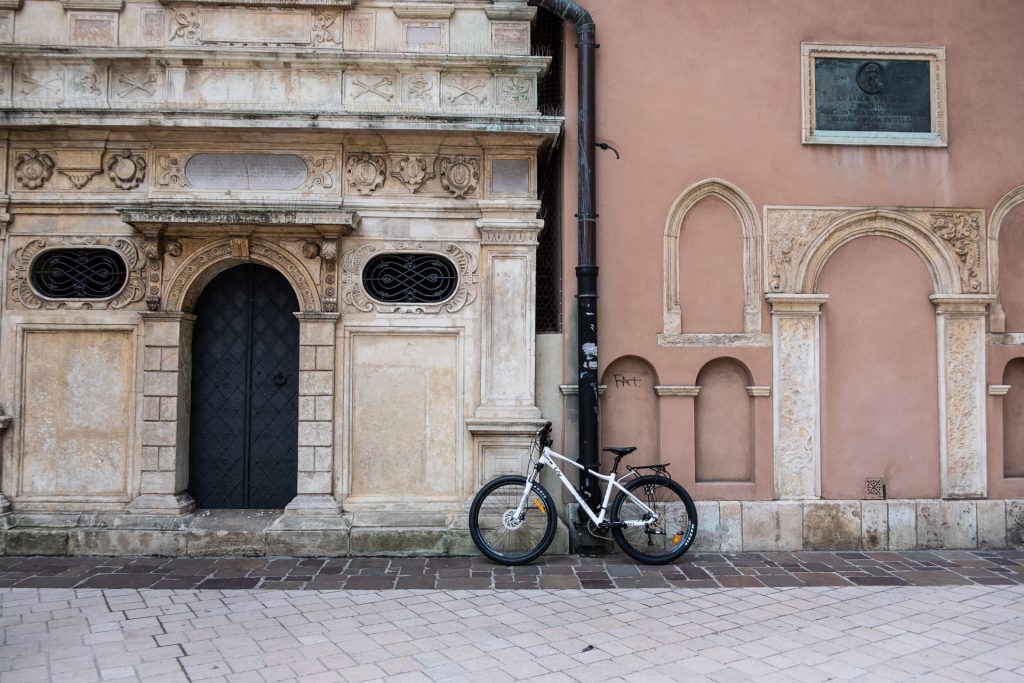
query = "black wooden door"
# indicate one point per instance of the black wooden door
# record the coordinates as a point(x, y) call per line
point(245, 391)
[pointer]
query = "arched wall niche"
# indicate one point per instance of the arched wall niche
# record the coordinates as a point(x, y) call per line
point(1005, 251)
point(743, 208)
point(629, 410)
point(724, 423)
point(1013, 420)
point(199, 269)
point(711, 289)
point(878, 368)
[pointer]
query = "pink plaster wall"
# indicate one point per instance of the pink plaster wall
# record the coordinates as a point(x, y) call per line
point(724, 423)
point(880, 379)
point(703, 88)
point(1011, 268)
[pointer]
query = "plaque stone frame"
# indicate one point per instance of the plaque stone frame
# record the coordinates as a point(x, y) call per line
point(935, 57)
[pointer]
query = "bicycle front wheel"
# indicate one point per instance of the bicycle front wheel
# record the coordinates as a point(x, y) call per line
point(665, 539)
point(500, 534)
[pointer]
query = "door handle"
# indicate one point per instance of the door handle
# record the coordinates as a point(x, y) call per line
point(278, 379)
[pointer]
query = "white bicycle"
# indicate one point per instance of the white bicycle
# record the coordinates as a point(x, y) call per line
point(653, 519)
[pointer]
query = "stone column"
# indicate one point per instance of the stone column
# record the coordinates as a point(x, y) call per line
point(797, 403)
point(508, 252)
point(317, 334)
point(166, 383)
point(960, 322)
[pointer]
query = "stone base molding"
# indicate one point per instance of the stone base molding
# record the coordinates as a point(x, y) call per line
point(748, 526)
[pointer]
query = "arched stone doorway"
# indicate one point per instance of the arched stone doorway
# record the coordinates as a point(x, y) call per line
point(245, 391)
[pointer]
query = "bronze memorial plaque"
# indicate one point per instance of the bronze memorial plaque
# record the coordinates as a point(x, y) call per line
point(872, 95)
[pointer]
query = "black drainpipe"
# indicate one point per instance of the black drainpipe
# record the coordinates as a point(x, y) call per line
point(586, 270)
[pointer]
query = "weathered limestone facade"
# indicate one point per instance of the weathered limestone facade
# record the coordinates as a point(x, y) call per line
point(304, 137)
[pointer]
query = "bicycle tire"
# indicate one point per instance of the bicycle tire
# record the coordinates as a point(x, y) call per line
point(672, 536)
point(502, 539)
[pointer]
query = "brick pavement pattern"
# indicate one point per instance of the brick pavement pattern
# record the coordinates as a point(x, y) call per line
point(876, 633)
point(696, 570)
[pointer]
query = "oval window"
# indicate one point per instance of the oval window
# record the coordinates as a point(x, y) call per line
point(410, 278)
point(78, 273)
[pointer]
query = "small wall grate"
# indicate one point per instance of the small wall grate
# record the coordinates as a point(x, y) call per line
point(874, 489)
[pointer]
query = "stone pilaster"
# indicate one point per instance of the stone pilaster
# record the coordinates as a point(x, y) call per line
point(5, 422)
point(797, 401)
point(166, 383)
point(960, 322)
point(508, 255)
point(317, 336)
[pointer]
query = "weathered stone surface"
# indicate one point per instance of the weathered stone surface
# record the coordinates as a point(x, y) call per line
point(29, 541)
point(874, 525)
point(719, 526)
point(311, 543)
point(1015, 523)
point(902, 525)
point(832, 525)
point(991, 523)
point(127, 542)
point(947, 524)
point(775, 525)
point(398, 541)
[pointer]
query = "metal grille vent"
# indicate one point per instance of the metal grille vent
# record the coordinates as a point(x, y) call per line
point(78, 273)
point(410, 278)
point(874, 489)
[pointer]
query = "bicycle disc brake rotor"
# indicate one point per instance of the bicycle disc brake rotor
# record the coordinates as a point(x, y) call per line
point(510, 521)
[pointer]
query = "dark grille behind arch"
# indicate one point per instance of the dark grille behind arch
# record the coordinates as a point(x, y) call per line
point(78, 273)
point(410, 278)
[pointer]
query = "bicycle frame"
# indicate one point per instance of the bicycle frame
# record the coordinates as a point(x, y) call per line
point(547, 458)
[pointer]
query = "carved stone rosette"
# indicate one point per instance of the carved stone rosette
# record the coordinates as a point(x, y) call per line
point(460, 175)
point(153, 247)
point(21, 291)
point(329, 274)
point(354, 295)
point(366, 173)
point(412, 170)
point(32, 169)
point(125, 169)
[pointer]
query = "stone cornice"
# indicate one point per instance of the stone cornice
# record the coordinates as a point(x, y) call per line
point(332, 4)
point(158, 218)
point(423, 10)
point(685, 390)
point(521, 232)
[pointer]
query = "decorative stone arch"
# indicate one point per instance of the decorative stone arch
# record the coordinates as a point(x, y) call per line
point(200, 268)
point(941, 264)
point(1009, 201)
point(751, 227)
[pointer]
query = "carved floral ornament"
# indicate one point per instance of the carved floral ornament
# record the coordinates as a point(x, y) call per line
point(800, 241)
point(459, 174)
point(125, 169)
point(353, 293)
point(366, 173)
point(412, 170)
point(21, 291)
point(32, 169)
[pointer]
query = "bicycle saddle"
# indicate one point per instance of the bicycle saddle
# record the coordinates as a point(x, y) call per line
point(621, 451)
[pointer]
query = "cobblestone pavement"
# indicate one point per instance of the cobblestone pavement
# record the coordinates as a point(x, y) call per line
point(695, 570)
point(874, 633)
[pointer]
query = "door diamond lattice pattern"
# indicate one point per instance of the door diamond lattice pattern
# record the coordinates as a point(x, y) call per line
point(245, 362)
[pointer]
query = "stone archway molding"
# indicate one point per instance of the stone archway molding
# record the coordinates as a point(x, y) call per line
point(1008, 202)
point(202, 266)
point(744, 209)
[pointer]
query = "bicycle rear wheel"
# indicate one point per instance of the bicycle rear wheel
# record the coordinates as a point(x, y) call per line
point(495, 528)
point(671, 535)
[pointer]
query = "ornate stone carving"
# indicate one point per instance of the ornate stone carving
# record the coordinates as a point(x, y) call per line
point(796, 401)
point(45, 83)
point(515, 91)
point(86, 85)
point(125, 169)
point(173, 248)
point(171, 168)
point(310, 250)
point(318, 171)
point(32, 169)
point(240, 246)
point(152, 246)
point(352, 282)
point(326, 29)
point(963, 233)
point(329, 254)
point(134, 85)
point(382, 87)
point(366, 173)
point(412, 169)
point(789, 234)
point(187, 24)
point(21, 291)
point(467, 91)
point(420, 89)
point(259, 251)
point(460, 175)
point(963, 406)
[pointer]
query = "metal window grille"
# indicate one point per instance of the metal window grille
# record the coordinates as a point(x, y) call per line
point(78, 273)
point(410, 278)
